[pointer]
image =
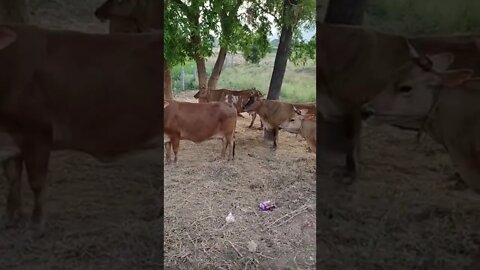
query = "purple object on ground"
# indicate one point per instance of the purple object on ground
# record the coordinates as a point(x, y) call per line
point(266, 206)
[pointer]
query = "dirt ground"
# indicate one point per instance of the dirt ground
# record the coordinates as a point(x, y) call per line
point(201, 190)
point(405, 211)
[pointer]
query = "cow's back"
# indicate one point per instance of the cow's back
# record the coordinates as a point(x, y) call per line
point(311, 108)
point(236, 97)
point(199, 121)
point(354, 64)
point(275, 112)
point(98, 93)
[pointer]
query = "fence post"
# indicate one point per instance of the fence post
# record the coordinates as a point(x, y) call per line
point(182, 76)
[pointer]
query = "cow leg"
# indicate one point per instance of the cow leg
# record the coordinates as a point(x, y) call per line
point(254, 115)
point(348, 173)
point(168, 152)
point(13, 173)
point(225, 143)
point(353, 154)
point(36, 153)
point(275, 138)
point(175, 146)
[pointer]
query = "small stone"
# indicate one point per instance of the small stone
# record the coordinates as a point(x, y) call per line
point(230, 218)
point(252, 246)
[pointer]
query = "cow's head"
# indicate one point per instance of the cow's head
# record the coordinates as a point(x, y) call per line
point(253, 103)
point(7, 37)
point(294, 123)
point(202, 92)
point(408, 100)
point(256, 93)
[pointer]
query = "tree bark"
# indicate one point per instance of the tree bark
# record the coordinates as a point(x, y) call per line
point(202, 78)
point(281, 59)
point(14, 11)
point(348, 12)
point(167, 82)
point(217, 69)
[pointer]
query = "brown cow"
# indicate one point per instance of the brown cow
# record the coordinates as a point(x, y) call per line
point(72, 90)
point(236, 97)
point(305, 125)
point(273, 113)
point(444, 104)
point(354, 64)
point(198, 122)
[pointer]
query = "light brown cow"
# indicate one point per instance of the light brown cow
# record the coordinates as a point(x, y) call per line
point(198, 122)
point(72, 90)
point(354, 64)
point(305, 125)
point(274, 113)
point(236, 97)
point(443, 104)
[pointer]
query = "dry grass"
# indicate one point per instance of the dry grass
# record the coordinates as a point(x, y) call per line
point(201, 190)
point(403, 213)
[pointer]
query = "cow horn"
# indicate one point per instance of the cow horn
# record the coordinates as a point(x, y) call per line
point(297, 111)
point(423, 61)
point(412, 50)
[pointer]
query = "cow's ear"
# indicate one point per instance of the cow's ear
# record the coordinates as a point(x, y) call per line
point(7, 37)
point(455, 77)
point(441, 61)
point(309, 117)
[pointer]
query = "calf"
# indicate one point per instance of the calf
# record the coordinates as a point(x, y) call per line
point(236, 97)
point(274, 113)
point(305, 125)
point(444, 104)
point(198, 122)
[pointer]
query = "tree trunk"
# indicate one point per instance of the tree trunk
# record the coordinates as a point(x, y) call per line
point(202, 78)
point(167, 82)
point(217, 69)
point(281, 59)
point(13, 11)
point(346, 12)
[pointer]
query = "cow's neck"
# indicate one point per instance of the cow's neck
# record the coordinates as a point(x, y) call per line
point(432, 124)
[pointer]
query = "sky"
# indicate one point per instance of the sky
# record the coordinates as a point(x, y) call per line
point(307, 34)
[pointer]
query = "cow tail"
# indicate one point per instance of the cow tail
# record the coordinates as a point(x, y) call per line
point(233, 150)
